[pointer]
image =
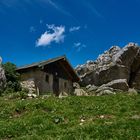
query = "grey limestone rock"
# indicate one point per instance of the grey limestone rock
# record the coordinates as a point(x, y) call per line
point(118, 67)
point(2, 76)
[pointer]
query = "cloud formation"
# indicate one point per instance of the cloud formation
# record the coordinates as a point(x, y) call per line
point(75, 28)
point(79, 46)
point(57, 35)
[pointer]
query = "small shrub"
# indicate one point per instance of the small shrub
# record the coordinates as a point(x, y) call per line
point(23, 95)
point(25, 90)
point(7, 91)
point(1, 91)
point(20, 107)
point(12, 77)
point(15, 95)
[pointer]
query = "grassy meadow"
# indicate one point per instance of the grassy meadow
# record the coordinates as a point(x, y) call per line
point(115, 117)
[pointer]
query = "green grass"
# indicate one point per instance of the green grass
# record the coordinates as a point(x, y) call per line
point(114, 117)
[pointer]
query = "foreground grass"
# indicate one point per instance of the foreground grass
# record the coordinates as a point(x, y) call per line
point(73, 118)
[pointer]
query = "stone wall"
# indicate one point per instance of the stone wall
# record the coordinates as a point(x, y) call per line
point(43, 85)
point(65, 86)
point(38, 77)
point(30, 85)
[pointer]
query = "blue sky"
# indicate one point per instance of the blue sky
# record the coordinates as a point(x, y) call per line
point(35, 30)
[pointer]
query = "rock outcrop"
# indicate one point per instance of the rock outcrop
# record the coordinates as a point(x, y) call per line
point(120, 84)
point(29, 85)
point(2, 76)
point(78, 91)
point(118, 68)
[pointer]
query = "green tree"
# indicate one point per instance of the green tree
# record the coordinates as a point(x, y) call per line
point(12, 77)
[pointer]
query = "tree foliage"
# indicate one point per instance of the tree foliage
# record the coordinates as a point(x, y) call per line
point(12, 77)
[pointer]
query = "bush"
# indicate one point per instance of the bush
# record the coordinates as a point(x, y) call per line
point(25, 90)
point(17, 95)
point(8, 90)
point(1, 91)
point(23, 94)
point(12, 77)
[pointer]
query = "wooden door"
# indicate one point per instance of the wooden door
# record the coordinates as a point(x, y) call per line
point(56, 85)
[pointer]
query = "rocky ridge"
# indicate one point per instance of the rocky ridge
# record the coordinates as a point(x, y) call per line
point(2, 76)
point(118, 68)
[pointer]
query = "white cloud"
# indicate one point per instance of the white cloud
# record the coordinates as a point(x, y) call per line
point(57, 35)
point(79, 46)
point(72, 29)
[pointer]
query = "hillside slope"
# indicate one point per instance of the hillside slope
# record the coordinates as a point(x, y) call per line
point(105, 117)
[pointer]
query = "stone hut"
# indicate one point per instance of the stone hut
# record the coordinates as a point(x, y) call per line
point(54, 75)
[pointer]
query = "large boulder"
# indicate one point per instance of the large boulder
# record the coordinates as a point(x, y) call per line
point(120, 84)
point(80, 92)
point(76, 85)
point(2, 76)
point(126, 55)
point(105, 92)
point(113, 73)
point(91, 88)
point(116, 63)
point(132, 91)
point(135, 80)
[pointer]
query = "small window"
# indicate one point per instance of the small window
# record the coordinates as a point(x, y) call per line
point(65, 85)
point(47, 78)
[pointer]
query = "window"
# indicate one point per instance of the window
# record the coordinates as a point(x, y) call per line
point(47, 78)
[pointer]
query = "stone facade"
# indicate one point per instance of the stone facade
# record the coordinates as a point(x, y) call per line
point(35, 80)
point(65, 86)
